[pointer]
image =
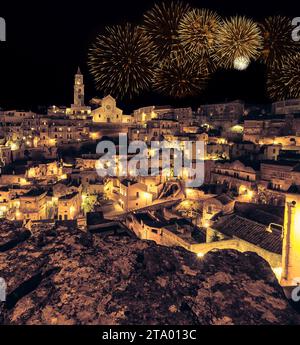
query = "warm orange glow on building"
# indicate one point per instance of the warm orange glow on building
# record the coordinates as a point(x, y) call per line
point(291, 241)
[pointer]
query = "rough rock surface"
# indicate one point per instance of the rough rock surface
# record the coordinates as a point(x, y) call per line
point(67, 277)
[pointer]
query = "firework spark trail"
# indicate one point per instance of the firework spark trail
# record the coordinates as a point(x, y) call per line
point(177, 48)
point(237, 38)
point(161, 25)
point(197, 31)
point(121, 61)
point(283, 81)
point(181, 77)
point(278, 44)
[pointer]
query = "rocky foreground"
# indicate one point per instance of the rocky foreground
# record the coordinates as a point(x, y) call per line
point(67, 277)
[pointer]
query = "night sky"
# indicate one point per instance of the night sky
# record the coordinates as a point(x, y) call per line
point(47, 40)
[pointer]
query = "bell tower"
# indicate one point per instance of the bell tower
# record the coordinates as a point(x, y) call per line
point(291, 241)
point(79, 89)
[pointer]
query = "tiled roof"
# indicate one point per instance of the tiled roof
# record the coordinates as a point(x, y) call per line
point(260, 213)
point(263, 117)
point(224, 199)
point(35, 192)
point(282, 162)
point(68, 196)
point(250, 231)
point(294, 189)
point(4, 189)
point(147, 219)
point(94, 218)
point(14, 170)
point(128, 183)
point(297, 167)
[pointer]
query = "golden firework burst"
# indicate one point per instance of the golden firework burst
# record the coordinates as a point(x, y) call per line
point(238, 38)
point(278, 44)
point(181, 77)
point(283, 82)
point(161, 25)
point(198, 29)
point(121, 61)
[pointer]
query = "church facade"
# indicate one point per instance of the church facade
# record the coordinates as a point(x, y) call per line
point(108, 112)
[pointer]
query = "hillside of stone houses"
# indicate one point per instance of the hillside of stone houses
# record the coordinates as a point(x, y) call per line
point(62, 276)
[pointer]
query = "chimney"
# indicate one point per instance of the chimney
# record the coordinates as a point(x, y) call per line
point(291, 241)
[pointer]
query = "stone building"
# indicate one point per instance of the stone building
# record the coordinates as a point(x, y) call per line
point(108, 112)
point(217, 151)
point(59, 131)
point(32, 205)
point(142, 115)
point(215, 205)
point(78, 109)
point(258, 127)
point(288, 106)
point(172, 233)
point(243, 233)
point(223, 111)
point(69, 206)
point(5, 197)
point(44, 170)
point(236, 175)
point(158, 128)
point(133, 195)
point(279, 175)
point(224, 115)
